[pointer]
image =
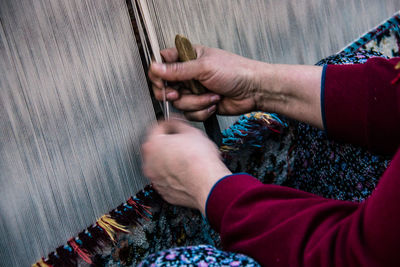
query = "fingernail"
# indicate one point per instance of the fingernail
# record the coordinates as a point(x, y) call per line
point(211, 109)
point(160, 67)
point(171, 95)
point(215, 98)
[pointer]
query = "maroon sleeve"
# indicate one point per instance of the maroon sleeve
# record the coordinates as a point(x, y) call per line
point(361, 104)
point(280, 226)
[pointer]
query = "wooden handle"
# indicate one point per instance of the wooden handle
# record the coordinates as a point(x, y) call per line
point(186, 52)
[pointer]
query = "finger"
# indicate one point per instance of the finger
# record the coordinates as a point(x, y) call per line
point(185, 91)
point(170, 54)
point(171, 93)
point(177, 71)
point(191, 102)
point(156, 80)
point(200, 115)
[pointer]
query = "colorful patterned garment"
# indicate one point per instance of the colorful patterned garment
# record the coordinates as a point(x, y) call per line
point(202, 256)
point(279, 151)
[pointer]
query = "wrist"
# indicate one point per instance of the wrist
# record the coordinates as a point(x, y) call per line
point(212, 176)
point(269, 94)
point(291, 90)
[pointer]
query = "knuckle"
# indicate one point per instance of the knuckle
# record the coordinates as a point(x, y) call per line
point(205, 100)
point(175, 68)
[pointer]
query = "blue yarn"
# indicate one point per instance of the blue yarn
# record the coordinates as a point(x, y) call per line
point(67, 247)
point(251, 129)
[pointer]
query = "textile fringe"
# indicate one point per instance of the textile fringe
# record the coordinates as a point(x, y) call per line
point(104, 232)
point(251, 130)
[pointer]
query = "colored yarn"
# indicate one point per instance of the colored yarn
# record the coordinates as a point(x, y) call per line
point(103, 232)
point(251, 130)
point(41, 263)
point(110, 226)
point(83, 253)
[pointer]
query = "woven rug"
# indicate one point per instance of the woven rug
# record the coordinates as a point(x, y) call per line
point(273, 149)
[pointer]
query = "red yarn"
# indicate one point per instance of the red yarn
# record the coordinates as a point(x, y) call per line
point(81, 252)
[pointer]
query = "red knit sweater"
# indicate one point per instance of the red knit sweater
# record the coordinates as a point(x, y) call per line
point(280, 226)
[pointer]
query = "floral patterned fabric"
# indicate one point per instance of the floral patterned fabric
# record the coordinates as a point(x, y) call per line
point(202, 256)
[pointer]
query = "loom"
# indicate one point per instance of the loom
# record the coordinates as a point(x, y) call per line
point(75, 101)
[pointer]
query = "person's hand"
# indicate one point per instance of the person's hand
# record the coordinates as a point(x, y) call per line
point(239, 85)
point(230, 78)
point(182, 163)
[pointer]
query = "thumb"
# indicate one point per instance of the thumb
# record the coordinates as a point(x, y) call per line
point(177, 71)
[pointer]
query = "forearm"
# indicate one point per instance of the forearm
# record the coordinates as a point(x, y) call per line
point(290, 90)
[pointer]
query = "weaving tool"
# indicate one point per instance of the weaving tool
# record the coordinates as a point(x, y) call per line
point(186, 52)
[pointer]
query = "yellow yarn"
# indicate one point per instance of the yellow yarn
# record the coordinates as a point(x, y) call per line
point(40, 263)
point(109, 225)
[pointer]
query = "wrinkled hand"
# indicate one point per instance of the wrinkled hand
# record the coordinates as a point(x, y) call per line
point(182, 163)
point(230, 78)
